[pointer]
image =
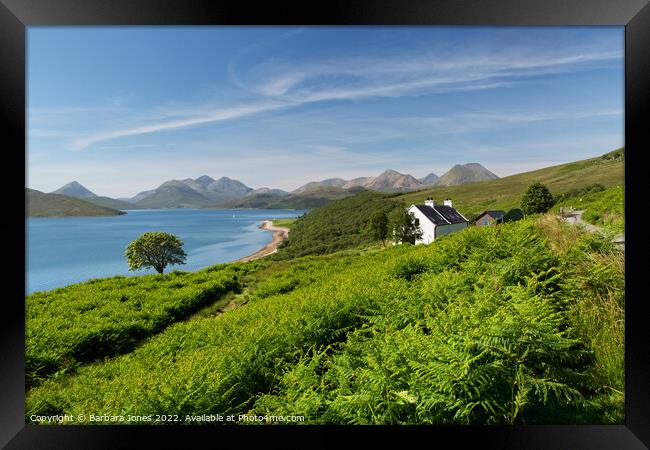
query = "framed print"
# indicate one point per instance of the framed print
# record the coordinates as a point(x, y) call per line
point(362, 218)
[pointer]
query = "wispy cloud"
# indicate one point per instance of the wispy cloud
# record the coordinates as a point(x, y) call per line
point(216, 115)
point(279, 84)
point(415, 73)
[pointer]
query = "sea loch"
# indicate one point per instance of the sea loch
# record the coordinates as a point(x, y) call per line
point(63, 251)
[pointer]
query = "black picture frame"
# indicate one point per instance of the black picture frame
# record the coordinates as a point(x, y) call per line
point(16, 15)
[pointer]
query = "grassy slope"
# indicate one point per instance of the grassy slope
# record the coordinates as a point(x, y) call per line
point(338, 225)
point(111, 315)
point(342, 224)
point(604, 209)
point(427, 334)
point(285, 223)
point(40, 204)
point(505, 193)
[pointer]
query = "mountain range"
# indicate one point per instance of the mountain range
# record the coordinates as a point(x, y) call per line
point(206, 192)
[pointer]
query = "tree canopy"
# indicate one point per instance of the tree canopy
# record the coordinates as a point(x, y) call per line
point(378, 226)
point(404, 226)
point(536, 199)
point(155, 249)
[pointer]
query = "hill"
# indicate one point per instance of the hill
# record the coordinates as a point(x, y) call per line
point(465, 174)
point(313, 197)
point(505, 193)
point(317, 233)
point(113, 203)
point(191, 193)
point(139, 196)
point(174, 194)
point(335, 226)
point(336, 182)
point(217, 190)
point(393, 181)
point(40, 204)
point(74, 189)
point(429, 179)
point(520, 324)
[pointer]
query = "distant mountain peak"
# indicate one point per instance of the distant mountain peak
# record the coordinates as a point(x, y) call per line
point(465, 174)
point(75, 189)
point(429, 179)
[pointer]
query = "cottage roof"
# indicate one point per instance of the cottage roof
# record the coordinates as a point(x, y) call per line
point(496, 214)
point(441, 214)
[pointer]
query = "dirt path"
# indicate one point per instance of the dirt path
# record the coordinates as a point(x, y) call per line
point(280, 234)
point(577, 219)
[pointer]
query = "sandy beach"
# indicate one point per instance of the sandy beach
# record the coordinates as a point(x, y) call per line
point(279, 235)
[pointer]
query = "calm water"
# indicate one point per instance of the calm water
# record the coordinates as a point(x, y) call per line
point(62, 251)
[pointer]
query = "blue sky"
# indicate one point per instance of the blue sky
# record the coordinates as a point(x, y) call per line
point(123, 109)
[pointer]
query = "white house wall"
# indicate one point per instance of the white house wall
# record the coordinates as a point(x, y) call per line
point(426, 226)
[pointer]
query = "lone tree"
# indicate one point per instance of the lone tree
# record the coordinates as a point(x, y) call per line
point(404, 226)
point(378, 226)
point(536, 199)
point(155, 249)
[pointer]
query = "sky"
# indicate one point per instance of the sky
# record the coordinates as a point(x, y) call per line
point(123, 109)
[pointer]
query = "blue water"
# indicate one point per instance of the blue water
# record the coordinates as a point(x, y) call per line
point(67, 250)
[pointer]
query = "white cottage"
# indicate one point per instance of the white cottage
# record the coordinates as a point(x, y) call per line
point(437, 220)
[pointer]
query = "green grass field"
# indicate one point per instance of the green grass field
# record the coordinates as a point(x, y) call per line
point(286, 223)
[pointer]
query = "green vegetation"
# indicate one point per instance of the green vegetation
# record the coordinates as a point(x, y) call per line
point(575, 194)
point(284, 223)
point(404, 227)
point(113, 203)
point(537, 199)
point(339, 225)
point(378, 226)
point(520, 323)
point(155, 249)
point(109, 316)
point(604, 208)
point(39, 204)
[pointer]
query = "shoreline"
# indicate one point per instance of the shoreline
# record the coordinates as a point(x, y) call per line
point(280, 234)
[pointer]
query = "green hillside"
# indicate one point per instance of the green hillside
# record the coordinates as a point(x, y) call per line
point(338, 225)
point(505, 193)
point(342, 224)
point(39, 204)
point(516, 324)
point(117, 313)
point(604, 208)
point(113, 203)
point(311, 198)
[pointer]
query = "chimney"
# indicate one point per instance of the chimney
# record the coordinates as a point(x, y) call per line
point(429, 202)
point(448, 203)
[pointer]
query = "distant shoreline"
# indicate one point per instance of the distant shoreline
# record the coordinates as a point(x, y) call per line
point(280, 234)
